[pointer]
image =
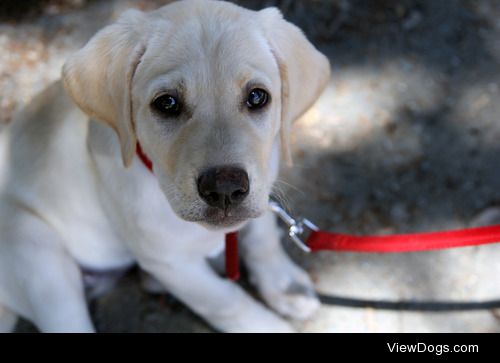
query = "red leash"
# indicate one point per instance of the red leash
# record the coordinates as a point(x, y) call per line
point(328, 241)
point(318, 240)
point(232, 258)
point(414, 242)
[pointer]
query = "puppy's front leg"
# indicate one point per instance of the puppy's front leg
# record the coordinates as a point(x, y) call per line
point(282, 284)
point(222, 303)
point(46, 284)
point(55, 294)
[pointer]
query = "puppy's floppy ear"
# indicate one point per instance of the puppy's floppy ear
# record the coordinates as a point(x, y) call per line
point(304, 71)
point(99, 76)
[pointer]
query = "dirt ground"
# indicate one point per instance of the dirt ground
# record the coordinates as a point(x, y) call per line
point(406, 138)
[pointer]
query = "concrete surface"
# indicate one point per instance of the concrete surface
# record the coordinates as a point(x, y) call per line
point(406, 138)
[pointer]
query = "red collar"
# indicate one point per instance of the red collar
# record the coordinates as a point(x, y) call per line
point(145, 160)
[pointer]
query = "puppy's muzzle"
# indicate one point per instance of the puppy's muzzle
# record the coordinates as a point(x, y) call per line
point(222, 187)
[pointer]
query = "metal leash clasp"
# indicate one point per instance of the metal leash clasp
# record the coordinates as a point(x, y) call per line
point(296, 226)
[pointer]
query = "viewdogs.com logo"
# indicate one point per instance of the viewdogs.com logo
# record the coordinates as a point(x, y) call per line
point(431, 348)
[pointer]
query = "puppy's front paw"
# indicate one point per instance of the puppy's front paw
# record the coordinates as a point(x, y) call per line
point(286, 288)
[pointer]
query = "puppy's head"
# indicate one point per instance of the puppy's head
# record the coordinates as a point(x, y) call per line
point(210, 90)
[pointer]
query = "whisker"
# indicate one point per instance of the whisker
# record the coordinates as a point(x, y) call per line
point(290, 186)
point(280, 196)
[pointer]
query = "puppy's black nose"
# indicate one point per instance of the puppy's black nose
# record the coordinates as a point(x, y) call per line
point(221, 187)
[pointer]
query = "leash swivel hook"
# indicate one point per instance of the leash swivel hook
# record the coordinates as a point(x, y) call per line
point(296, 226)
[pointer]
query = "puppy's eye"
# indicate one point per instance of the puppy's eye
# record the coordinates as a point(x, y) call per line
point(257, 98)
point(167, 105)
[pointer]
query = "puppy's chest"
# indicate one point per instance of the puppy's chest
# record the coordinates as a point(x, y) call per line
point(126, 226)
point(96, 245)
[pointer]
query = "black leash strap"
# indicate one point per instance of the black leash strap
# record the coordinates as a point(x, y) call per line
point(409, 305)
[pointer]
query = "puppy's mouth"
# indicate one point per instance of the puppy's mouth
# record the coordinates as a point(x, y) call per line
point(217, 218)
point(214, 218)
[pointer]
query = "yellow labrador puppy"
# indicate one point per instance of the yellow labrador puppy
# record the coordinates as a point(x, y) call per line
point(209, 89)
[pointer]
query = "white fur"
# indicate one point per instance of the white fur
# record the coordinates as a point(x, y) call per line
point(67, 201)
